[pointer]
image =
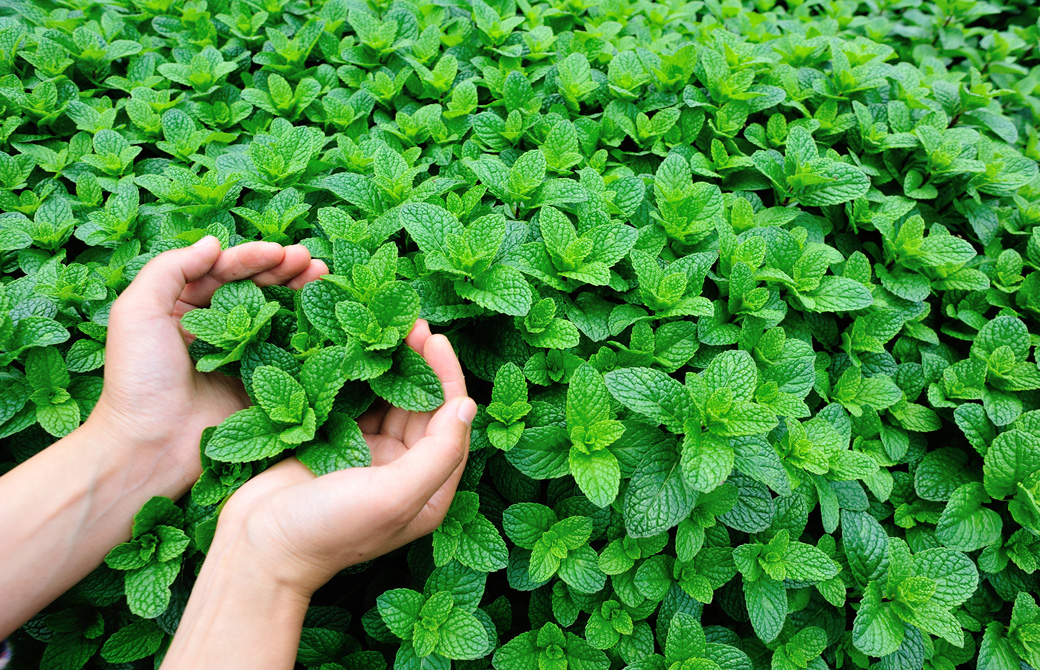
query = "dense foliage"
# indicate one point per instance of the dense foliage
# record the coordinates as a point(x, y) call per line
point(748, 293)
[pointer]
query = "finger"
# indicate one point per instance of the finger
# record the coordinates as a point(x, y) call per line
point(441, 357)
point(371, 421)
point(417, 474)
point(409, 427)
point(295, 260)
point(384, 449)
point(286, 472)
point(417, 338)
point(432, 514)
point(312, 272)
point(397, 423)
point(156, 288)
point(241, 262)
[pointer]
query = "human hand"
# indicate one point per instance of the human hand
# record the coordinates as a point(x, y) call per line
point(300, 530)
point(154, 403)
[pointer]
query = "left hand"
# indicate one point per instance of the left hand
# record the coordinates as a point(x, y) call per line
point(154, 402)
point(67, 506)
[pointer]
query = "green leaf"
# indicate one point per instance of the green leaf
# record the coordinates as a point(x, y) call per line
point(839, 294)
point(133, 642)
point(399, 609)
point(807, 563)
point(651, 393)
point(148, 588)
point(877, 629)
point(501, 289)
point(275, 390)
point(685, 638)
point(954, 574)
point(410, 383)
point(657, 497)
point(995, 652)
point(767, 605)
point(965, 524)
point(429, 225)
point(59, 420)
point(527, 173)
point(706, 462)
point(524, 523)
point(942, 472)
point(1012, 457)
point(733, 370)
point(462, 637)
point(580, 570)
point(865, 544)
point(1002, 331)
point(520, 653)
point(841, 183)
point(481, 547)
point(587, 399)
point(597, 474)
point(322, 377)
point(247, 435)
point(346, 448)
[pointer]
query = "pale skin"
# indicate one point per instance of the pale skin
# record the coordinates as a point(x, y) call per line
point(283, 534)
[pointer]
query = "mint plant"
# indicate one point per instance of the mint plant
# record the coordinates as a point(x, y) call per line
point(238, 315)
point(747, 292)
point(469, 537)
point(549, 545)
point(151, 560)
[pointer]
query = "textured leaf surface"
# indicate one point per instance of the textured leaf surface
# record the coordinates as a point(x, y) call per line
point(410, 383)
point(650, 393)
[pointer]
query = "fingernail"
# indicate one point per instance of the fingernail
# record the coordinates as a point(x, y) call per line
point(204, 241)
point(467, 411)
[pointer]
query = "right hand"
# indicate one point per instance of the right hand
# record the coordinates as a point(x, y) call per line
point(299, 530)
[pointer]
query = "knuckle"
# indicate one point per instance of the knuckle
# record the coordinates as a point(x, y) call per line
point(253, 257)
point(430, 523)
point(119, 308)
point(401, 511)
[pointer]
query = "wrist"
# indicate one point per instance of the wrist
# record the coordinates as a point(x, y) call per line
point(236, 605)
point(238, 567)
point(232, 551)
point(165, 464)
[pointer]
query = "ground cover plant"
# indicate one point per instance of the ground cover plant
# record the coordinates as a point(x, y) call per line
point(748, 294)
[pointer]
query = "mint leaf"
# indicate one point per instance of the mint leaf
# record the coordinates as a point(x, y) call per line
point(1010, 459)
point(502, 289)
point(248, 435)
point(650, 393)
point(133, 642)
point(410, 383)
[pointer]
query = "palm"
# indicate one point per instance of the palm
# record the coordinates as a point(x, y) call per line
point(151, 386)
point(320, 525)
point(166, 394)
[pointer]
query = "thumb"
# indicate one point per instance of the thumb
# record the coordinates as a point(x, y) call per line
point(422, 470)
point(161, 281)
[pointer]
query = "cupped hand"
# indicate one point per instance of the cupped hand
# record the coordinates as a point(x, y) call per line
point(154, 402)
point(300, 530)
